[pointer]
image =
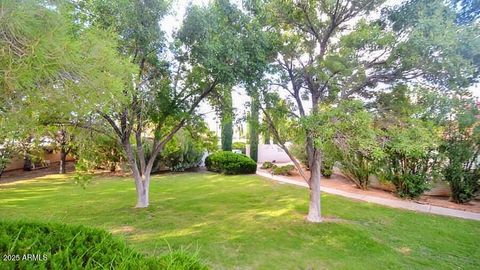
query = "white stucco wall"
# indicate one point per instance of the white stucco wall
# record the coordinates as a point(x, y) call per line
point(269, 152)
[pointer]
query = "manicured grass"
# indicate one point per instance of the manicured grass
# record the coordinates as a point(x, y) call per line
point(247, 222)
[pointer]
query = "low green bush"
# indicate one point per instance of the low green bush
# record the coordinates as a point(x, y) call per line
point(268, 165)
point(283, 170)
point(230, 163)
point(59, 246)
point(327, 168)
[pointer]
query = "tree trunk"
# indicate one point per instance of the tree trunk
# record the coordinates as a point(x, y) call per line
point(315, 161)
point(63, 160)
point(141, 183)
point(142, 186)
point(27, 162)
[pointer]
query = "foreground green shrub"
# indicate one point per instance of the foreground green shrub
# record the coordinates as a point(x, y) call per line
point(60, 246)
point(230, 163)
point(283, 170)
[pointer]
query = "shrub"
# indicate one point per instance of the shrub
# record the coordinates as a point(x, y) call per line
point(463, 178)
point(327, 168)
point(283, 170)
point(100, 151)
point(461, 146)
point(230, 163)
point(268, 165)
point(60, 246)
point(346, 133)
point(184, 151)
point(411, 160)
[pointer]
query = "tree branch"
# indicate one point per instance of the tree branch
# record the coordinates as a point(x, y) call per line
point(282, 144)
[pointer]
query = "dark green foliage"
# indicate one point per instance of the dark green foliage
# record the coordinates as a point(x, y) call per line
point(230, 163)
point(327, 168)
point(346, 133)
point(283, 170)
point(461, 147)
point(411, 157)
point(183, 152)
point(254, 128)
point(61, 246)
point(410, 185)
point(101, 151)
point(463, 179)
point(227, 118)
point(227, 135)
point(268, 165)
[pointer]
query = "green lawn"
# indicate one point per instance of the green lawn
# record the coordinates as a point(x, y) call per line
point(247, 222)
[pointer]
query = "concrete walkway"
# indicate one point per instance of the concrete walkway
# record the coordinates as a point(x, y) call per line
point(426, 208)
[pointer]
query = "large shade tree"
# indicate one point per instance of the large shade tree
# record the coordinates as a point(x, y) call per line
point(212, 48)
point(52, 73)
point(336, 50)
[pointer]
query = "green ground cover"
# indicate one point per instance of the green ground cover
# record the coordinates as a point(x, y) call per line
point(247, 222)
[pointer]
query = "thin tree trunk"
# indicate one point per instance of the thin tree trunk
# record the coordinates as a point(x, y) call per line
point(63, 160)
point(315, 161)
point(27, 162)
point(141, 183)
point(142, 187)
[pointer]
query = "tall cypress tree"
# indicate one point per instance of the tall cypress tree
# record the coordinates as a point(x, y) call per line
point(254, 127)
point(227, 121)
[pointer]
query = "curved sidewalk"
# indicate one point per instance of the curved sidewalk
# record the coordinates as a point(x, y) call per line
point(426, 208)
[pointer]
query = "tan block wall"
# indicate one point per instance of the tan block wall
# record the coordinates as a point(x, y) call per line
point(17, 162)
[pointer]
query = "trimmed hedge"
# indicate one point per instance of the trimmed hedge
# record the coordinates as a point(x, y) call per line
point(230, 163)
point(59, 246)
